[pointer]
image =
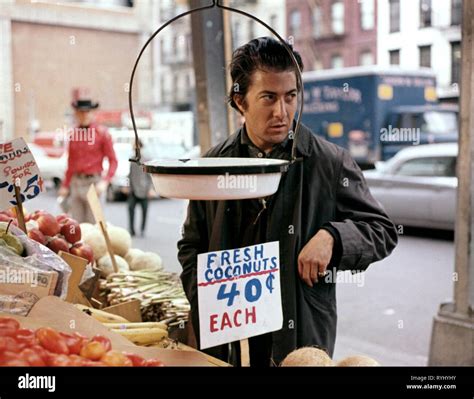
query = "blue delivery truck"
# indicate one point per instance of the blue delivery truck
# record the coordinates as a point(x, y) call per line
point(375, 112)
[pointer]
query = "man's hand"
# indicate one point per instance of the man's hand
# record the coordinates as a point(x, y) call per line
point(63, 192)
point(315, 257)
point(101, 187)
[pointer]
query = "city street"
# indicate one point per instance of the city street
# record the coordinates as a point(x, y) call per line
point(385, 313)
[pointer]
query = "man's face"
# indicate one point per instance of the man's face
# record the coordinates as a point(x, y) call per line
point(83, 118)
point(269, 107)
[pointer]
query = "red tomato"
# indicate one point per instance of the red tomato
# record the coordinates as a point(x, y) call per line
point(137, 361)
point(59, 361)
point(116, 359)
point(26, 336)
point(16, 363)
point(9, 344)
point(74, 342)
point(52, 341)
point(103, 340)
point(91, 363)
point(32, 358)
point(77, 361)
point(153, 363)
point(93, 350)
point(7, 357)
point(8, 326)
point(43, 353)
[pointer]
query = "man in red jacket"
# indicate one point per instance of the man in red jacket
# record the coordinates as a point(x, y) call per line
point(89, 144)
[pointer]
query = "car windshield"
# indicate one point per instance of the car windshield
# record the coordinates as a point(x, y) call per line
point(437, 122)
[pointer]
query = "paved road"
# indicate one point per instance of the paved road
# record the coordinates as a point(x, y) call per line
point(387, 315)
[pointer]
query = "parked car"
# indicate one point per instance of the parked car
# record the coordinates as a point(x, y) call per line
point(418, 186)
point(52, 169)
point(119, 184)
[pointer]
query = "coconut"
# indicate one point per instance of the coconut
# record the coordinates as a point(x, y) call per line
point(96, 241)
point(132, 254)
point(146, 261)
point(106, 267)
point(308, 356)
point(120, 239)
point(357, 361)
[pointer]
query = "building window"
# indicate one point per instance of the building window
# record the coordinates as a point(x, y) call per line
point(456, 12)
point(366, 58)
point(337, 61)
point(394, 16)
point(455, 62)
point(337, 17)
point(425, 13)
point(317, 22)
point(295, 23)
point(394, 56)
point(425, 56)
point(367, 14)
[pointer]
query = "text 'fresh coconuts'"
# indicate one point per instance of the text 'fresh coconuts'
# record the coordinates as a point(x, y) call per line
point(308, 356)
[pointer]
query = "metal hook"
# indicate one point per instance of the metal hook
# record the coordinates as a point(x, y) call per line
point(216, 3)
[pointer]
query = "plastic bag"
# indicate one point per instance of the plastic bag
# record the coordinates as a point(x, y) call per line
point(38, 263)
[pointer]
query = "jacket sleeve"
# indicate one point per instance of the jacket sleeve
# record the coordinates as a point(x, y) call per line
point(366, 234)
point(193, 242)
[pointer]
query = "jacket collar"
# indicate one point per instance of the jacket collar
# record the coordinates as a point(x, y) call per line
point(303, 141)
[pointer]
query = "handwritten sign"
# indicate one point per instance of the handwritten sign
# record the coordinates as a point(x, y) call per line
point(18, 167)
point(239, 293)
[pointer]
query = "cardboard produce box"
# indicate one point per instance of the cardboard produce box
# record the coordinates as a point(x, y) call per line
point(63, 316)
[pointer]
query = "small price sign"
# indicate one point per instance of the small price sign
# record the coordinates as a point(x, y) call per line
point(18, 168)
point(239, 293)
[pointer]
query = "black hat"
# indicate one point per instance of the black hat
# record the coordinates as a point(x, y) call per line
point(84, 105)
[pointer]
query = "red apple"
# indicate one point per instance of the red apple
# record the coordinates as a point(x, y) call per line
point(48, 225)
point(71, 231)
point(62, 218)
point(58, 244)
point(36, 214)
point(5, 218)
point(83, 251)
point(37, 235)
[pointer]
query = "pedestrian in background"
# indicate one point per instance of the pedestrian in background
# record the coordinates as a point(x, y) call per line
point(88, 145)
point(139, 192)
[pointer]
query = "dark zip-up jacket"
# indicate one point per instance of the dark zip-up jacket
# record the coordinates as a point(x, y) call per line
point(325, 189)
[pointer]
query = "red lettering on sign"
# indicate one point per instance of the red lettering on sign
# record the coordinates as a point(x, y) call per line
point(251, 314)
point(213, 323)
point(234, 320)
point(7, 147)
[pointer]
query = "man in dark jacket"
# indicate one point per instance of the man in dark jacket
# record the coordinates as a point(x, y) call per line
point(323, 214)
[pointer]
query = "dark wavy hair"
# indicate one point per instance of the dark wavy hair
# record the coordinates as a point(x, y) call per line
point(264, 53)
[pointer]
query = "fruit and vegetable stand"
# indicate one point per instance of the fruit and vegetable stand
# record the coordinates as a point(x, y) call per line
point(62, 303)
